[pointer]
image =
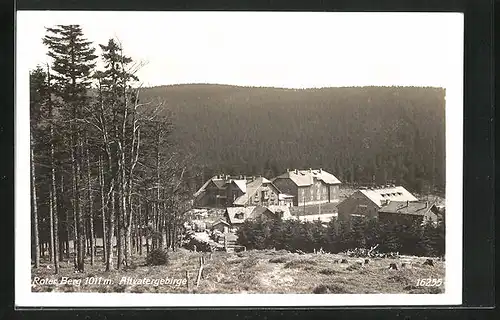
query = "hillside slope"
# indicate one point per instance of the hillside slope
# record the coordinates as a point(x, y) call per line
point(362, 135)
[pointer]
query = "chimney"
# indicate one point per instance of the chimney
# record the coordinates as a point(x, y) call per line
point(241, 177)
point(296, 171)
point(320, 170)
point(407, 203)
point(287, 170)
point(310, 170)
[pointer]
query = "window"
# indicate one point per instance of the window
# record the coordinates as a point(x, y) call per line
point(239, 215)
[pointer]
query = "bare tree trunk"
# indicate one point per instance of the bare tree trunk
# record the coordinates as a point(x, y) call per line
point(67, 220)
point(79, 213)
point(119, 239)
point(111, 227)
point(91, 211)
point(147, 228)
point(56, 225)
point(85, 238)
point(103, 209)
point(34, 210)
point(140, 229)
point(51, 228)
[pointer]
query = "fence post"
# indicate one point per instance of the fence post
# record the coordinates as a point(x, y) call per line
point(199, 271)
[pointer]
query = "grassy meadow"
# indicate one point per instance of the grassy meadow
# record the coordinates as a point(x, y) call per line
point(255, 271)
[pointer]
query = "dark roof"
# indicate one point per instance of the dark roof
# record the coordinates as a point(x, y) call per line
point(221, 184)
point(403, 207)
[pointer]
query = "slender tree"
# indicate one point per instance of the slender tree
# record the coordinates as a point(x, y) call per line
point(73, 61)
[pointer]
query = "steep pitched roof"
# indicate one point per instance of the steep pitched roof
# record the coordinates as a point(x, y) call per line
point(284, 209)
point(219, 183)
point(257, 212)
point(242, 184)
point(378, 196)
point(233, 211)
point(251, 188)
point(303, 178)
point(403, 207)
point(219, 222)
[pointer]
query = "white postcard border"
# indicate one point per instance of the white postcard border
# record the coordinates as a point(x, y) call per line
point(454, 169)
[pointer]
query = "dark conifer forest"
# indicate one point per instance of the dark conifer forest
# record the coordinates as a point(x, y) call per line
point(363, 135)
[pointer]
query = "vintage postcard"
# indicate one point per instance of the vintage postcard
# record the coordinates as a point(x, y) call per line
point(171, 159)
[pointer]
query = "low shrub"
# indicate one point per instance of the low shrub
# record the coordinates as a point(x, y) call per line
point(157, 257)
point(250, 262)
point(400, 279)
point(353, 267)
point(300, 263)
point(328, 271)
point(278, 260)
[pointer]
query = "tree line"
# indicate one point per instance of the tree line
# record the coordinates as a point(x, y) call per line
point(362, 135)
point(405, 237)
point(103, 164)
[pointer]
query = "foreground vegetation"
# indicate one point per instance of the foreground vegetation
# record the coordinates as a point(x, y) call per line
point(260, 271)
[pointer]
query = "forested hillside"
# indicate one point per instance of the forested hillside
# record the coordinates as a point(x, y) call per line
point(362, 135)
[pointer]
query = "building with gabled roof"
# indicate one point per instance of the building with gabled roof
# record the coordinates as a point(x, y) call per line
point(366, 202)
point(236, 216)
point(312, 186)
point(223, 190)
point(221, 225)
point(416, 211)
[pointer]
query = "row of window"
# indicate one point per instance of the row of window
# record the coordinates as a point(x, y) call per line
point(393, 194)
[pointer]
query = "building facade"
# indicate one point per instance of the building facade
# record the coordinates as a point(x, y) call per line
point(367, 202)
point(309, 187)
point(225, 191)
point(413, 212)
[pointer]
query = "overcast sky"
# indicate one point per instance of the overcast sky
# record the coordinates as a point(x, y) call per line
point(293, 50)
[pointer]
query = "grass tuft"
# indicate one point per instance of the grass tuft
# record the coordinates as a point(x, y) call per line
point(329, 271)
point(330, 288)
point(300, 264)
point(279, 260)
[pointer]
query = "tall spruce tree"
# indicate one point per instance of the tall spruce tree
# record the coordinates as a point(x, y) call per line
point(73, 61)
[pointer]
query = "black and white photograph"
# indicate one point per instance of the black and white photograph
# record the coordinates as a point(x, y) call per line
point(238, 158)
